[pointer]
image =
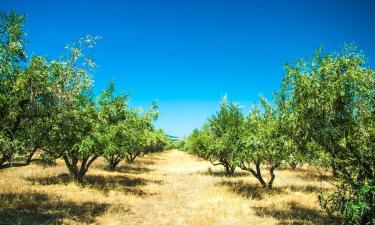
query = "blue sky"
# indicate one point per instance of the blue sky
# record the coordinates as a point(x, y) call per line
point(188, 54)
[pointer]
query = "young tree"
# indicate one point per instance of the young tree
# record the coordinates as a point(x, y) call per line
point(333, 100)
point(123, 128)
point(156, 141)
point(74, 134)
point(113, 111)
point(198, 143)
point(265, 142)
point(225, 131)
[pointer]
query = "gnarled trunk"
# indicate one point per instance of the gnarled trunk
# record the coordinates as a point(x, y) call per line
point(113, 161)
point(78, 172)
point(272, 174)
point(258, 174)
point(293, 165)
point(229, 169)
point(29, 157)
point(5, 161)
point(131, 157)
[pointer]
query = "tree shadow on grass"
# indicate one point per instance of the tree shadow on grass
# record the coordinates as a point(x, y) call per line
point(221, 173)
point(102, 183)
point(309, 188)
point(308, 176)
point(150, 160)
point(255, 191)
point(133, 169)
point(296, 214)
point(249, 190)
point(118, 182)
point(39, 208)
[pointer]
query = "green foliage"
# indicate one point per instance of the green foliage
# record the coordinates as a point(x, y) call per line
point(74, 132)
point(230, 139)
point(48, 106)
point(156, 141)
point(26, 94)
point(198, 143)
point(127, 133)
point(220, 138)
point(265, 142)
point(224, 135)
point(356, 205)
point(333, 101)
point(11, 57)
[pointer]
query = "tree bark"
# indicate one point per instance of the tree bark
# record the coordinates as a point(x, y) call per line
point(130, 158)
point(229, 169)
point(4, 159)
point(270, 182)
point(259, 175)
point(79, 173)
point(30, 156)
point(113, 162)
point(293, 165)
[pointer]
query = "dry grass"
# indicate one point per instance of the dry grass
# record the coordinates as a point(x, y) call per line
point(165, 188)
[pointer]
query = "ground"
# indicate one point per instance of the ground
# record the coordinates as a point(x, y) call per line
point(171, 187)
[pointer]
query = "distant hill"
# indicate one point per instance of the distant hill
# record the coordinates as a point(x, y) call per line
point(174, 138)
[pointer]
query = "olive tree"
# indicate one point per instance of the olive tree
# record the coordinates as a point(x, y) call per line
point(12, 55)
point(74, 135)
point(265, 141)
point(125, 130)
point(156, 141)
point(26, 94)
point(198, 143)
point(225, 136)
point(35, 88)
point(333, 100)
point(113, 111)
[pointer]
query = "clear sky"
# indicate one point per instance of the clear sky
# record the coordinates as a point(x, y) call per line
point(188, 54)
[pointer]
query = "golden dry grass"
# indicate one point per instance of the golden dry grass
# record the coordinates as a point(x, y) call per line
point(165, 188)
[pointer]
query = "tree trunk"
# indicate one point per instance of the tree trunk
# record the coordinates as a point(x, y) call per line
point(130, 158)
point(232, 169)
point(270, 182)
point(259, 175)
point(229, 169)
point(78, 173)
point(30, 156)
point(71, 163)
point(113, 162)
point(112, 166)
point(5, 158)
point(293, 165)
point(256, 173)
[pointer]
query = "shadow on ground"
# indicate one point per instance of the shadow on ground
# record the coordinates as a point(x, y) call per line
point(102, 183)
point(221, 173)
point(249, 190)
point(39, 208)
point(255, 191)
point(309, 176)
point(308, 188)
point(295, 214)
point(150, 160)
point(133, 169)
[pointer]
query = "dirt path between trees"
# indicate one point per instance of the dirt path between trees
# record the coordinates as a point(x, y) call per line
point(168, 188)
